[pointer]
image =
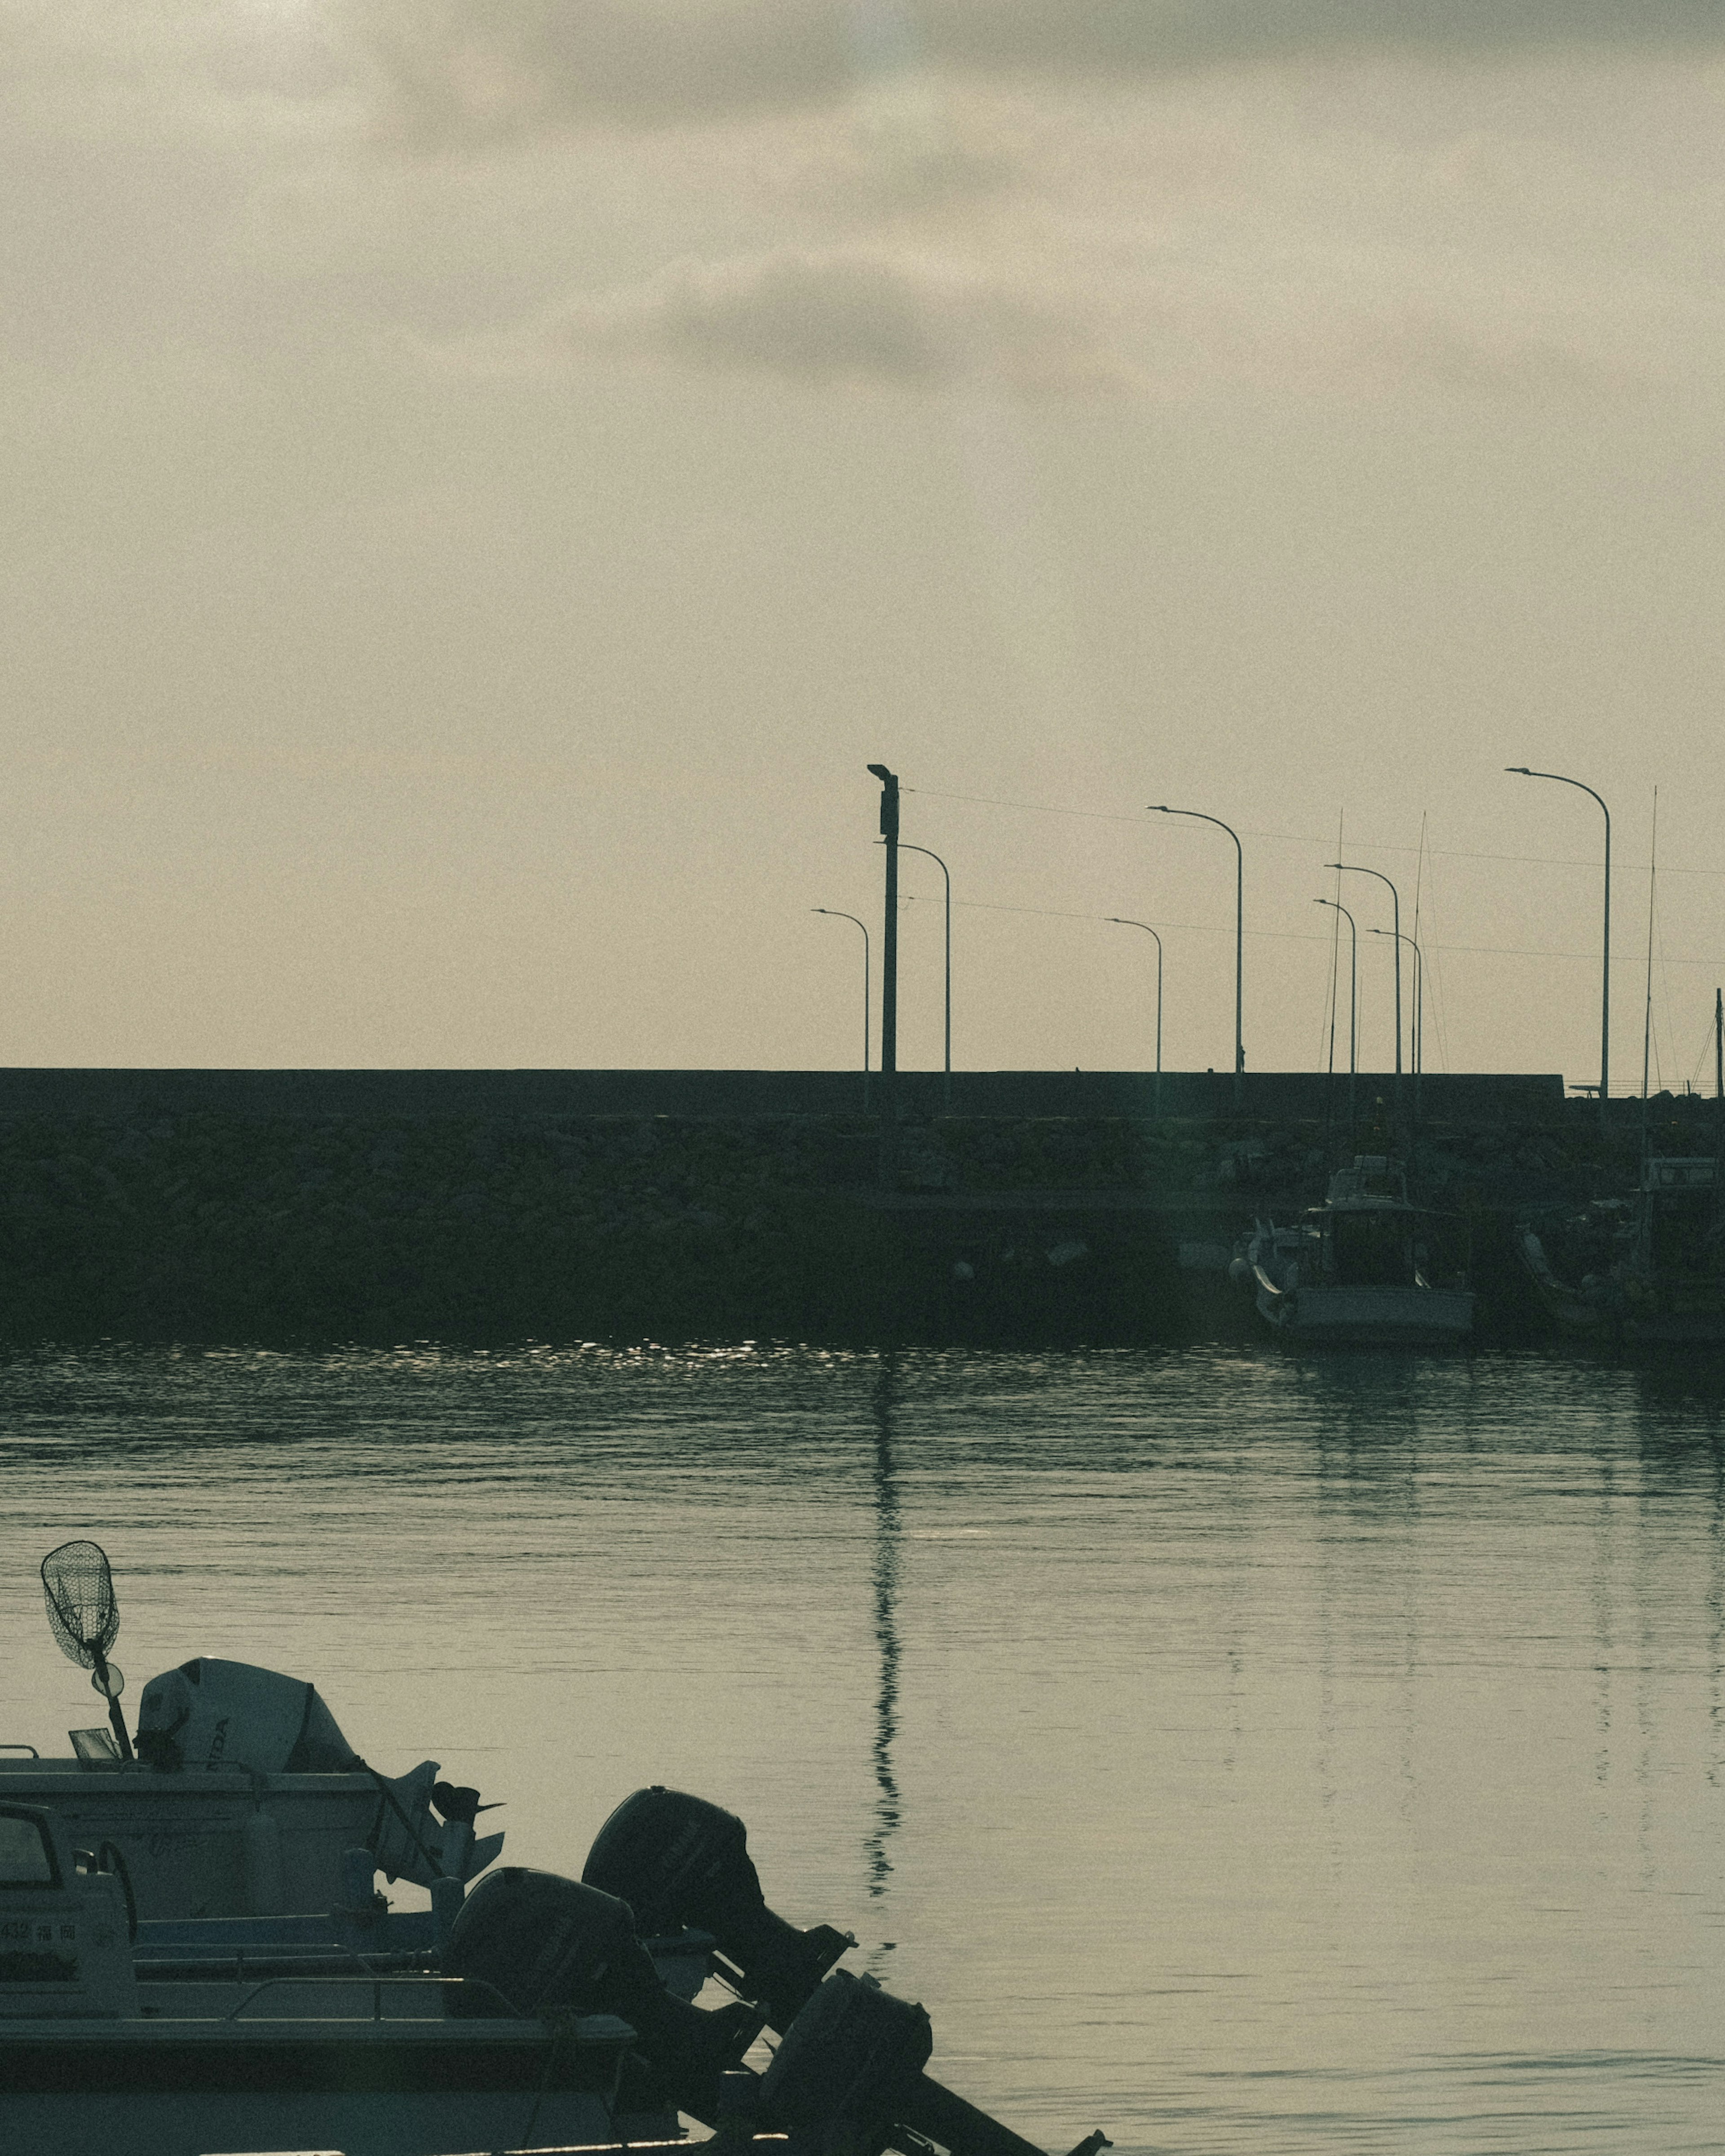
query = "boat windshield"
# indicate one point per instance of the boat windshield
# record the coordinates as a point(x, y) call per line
point(26, 1857)
point(1372, 1250)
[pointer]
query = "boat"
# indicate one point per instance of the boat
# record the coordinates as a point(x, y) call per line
point(105, 2042)
point(238, 1841)
point(1365, 1269)
point(1647, 1271)
point(539, 2017)
point(533, 2010)
point(240, 1796)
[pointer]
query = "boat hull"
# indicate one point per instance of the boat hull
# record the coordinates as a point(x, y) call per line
point(183, 1836)
point(368, 2089)
point(1676, 1328)
point(1369, 1316)
point(363, 2124)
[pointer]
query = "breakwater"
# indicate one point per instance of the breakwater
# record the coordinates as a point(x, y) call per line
point(388, 1206)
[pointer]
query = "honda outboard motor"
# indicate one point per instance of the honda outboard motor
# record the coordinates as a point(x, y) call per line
point(210, 1714)
point(680, 1861)
point(535, 1944)
point(849, 2075)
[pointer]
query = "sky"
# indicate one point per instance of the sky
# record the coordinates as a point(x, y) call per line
point(482, 479)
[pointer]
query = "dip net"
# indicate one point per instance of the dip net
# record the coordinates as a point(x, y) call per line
point(79, 1589)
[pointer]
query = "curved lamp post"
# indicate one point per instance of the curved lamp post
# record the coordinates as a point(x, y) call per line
point(1120, 921)
point(1350, 868)
point(834, 915)
point(1520, 771)
point(1161, 809)
point(905, 847)
point(1352, 997)
point(1416, 1031)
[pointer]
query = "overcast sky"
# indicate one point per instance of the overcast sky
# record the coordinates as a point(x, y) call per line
point(484, 477)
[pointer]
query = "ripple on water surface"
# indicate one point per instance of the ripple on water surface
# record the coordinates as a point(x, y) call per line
point(1239, 1751)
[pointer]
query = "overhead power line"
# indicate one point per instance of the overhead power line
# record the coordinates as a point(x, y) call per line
point(1300, 936)
point(1299, 839)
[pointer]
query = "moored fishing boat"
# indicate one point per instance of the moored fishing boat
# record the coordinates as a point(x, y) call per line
point(1649, 1272)
point(1365, 1269)
point(532, 2013)
point(104, 2045)
point(540, 2018)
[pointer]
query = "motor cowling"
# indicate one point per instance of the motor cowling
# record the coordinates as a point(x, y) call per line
point(848, 2068)
point(538, 1945)
point(210, 1714)
point(680, 1861)
point(849, 2075)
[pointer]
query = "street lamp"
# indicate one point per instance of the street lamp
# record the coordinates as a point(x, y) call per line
point(1120, 922)
point(1161, 809)
point(947, 1081)
point(1349, 868)
point(833, 916)
point(1417, 1029)
point(1520, 771)
point(1353, 999)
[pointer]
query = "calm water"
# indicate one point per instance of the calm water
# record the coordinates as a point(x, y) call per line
point(1237, 1753)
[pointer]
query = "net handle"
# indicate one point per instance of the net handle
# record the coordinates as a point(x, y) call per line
point(115, 1718)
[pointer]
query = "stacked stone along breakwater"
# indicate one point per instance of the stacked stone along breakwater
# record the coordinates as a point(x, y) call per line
point(370, 1211)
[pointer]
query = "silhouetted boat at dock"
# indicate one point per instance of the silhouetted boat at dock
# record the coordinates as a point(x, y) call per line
point(1649, 1270)
point(1365, 1269)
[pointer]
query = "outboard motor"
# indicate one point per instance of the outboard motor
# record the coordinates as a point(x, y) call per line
point(211, 1714)
point(535, 1944)
point(680, 1861)
point(849, 2075)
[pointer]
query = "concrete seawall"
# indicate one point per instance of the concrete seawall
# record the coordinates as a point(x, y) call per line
point(534, 1094)
point(385, 1206)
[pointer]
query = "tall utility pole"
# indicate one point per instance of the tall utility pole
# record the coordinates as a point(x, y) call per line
point(889, 965)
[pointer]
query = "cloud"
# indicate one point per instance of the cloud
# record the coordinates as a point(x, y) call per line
point(841, 316)
point(463, 70)
point(1050, 328)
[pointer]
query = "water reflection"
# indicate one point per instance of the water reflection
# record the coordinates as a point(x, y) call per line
point(1248, 1752)
point(882, 1402)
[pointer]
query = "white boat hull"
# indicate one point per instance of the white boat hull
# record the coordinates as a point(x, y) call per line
point(1369, 1316)
point(183, 1836)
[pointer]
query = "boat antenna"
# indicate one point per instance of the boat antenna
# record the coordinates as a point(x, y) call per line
point(84, 1617)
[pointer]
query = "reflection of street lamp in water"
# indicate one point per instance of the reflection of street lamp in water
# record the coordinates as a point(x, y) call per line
point(885, 1584)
